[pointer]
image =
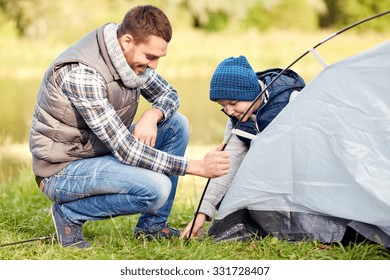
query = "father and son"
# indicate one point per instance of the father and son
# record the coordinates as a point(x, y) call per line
point(94, 162)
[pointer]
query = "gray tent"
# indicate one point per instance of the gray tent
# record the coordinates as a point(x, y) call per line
point(323, 165)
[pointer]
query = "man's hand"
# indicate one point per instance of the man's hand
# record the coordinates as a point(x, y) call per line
point(200, 220)
point(215, 164)
point(145, 130)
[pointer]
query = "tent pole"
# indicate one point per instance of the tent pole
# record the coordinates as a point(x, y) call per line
point(28, 240)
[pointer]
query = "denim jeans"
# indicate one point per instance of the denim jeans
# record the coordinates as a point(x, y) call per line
point(102, 187)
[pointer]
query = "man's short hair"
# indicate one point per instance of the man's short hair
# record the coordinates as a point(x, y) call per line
point(142, 21)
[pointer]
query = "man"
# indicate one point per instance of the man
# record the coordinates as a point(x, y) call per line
point(88, 157)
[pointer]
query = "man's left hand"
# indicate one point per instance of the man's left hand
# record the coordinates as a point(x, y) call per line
point(145, 130)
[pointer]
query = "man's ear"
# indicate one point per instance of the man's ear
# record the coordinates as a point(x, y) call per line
point(126, 41)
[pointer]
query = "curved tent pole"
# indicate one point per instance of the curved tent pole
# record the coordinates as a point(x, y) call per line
point(267, 86)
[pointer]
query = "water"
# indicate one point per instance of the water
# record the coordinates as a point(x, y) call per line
point(17, 100)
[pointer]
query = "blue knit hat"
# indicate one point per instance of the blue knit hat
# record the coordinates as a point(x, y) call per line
point(234, 79)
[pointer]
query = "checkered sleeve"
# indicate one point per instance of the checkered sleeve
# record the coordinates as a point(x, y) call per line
point(161, 94)
point(86, 90)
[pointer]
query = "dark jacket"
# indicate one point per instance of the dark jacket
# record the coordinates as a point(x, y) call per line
point(279, 96)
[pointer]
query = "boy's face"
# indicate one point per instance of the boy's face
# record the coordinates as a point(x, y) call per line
point(235, 108)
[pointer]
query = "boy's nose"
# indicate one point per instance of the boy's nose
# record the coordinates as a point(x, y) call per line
point(229, 110)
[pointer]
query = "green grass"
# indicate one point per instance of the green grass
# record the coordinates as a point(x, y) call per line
point(24, 214)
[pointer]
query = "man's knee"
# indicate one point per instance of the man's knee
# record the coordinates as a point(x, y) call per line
point(180, 122)
point(161, 193)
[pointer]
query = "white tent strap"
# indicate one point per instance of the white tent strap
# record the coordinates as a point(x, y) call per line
point(266, 93)
point(293, 95)
point(244, 134)
point(318, 57)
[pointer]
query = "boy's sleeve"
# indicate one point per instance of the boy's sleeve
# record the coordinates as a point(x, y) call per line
point(219, 186)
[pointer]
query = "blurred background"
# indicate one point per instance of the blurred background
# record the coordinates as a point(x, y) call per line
point(269, 33)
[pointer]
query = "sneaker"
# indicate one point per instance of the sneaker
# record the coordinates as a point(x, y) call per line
point(68, 234)
point(165, 232)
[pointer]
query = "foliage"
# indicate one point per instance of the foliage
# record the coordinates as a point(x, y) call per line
point(286, 15)
point(69, 19)
point(343, 13)
point(217, 15)
point(61, 19)
point(24, 214)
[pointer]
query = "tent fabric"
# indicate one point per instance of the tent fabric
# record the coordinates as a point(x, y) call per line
point(323, 164)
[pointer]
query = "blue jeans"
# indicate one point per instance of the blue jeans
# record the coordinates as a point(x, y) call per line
point(102, 187)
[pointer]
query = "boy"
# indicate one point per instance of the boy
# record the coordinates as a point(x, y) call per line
point(235, 85)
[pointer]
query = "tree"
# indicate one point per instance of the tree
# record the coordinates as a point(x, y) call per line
point(342, 13)
point(28, 15)
point(284, 14)
point(70, 19)
point(217, 14)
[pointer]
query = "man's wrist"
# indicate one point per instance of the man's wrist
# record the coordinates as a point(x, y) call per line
point(193, 167)
point(155, 114)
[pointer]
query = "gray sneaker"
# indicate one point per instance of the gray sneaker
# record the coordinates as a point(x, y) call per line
point(68, 234)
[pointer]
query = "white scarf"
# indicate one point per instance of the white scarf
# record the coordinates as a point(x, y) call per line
point(129, 78)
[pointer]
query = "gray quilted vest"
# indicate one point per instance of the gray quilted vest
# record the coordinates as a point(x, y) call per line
point(59, 135)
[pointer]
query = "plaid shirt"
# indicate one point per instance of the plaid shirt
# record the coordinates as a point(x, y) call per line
point(86, 90)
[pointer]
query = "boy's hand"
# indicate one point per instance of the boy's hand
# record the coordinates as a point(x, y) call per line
point(200, 220)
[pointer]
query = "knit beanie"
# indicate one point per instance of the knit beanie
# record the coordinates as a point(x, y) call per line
point(234, 79)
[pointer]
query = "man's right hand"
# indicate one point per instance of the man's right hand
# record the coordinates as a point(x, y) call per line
point(214, 164)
